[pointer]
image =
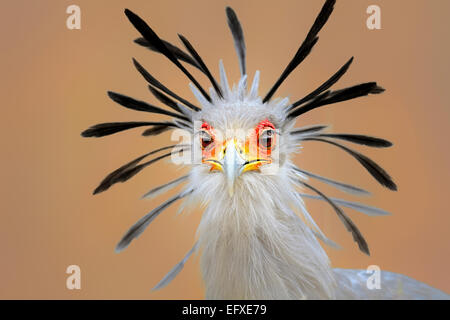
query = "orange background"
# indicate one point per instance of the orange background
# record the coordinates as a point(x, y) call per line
point(54, 84)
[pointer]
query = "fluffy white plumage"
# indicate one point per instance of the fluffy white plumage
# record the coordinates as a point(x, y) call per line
point(253, 244)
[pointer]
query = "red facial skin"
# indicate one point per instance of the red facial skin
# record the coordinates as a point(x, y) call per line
point(206, 126)
point(208, 151)
point(263, 125)
point(255, 138)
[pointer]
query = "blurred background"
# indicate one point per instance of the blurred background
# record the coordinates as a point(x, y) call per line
point(54, 82)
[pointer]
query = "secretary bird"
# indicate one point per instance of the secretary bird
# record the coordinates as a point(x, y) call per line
point(256, 238)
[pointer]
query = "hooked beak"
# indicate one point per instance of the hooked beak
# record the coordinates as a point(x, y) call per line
point(233, 161)
point(232, 165)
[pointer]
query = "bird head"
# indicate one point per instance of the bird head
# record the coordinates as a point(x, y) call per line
point(239, 136)
point(236, 152)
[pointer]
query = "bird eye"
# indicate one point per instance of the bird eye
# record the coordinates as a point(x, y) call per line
point(205, 139)
point(266, 138)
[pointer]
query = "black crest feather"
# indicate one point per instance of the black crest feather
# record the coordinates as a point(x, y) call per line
point(164, 99)
point(177, 52)
point(152, 81)
point(153, 39)
point(358, 139)
point(138, 105)
point(305, 47)
point(326, 85)
point(129, 170)
point(309, 130)
point(202, 65)
point(143, 223)
point(348, 223)
point(158, 129)
point(330, 97)
point(374, 169)
point(105, 129)
point(238, 37)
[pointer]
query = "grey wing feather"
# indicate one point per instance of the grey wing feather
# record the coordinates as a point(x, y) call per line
point(352, 285)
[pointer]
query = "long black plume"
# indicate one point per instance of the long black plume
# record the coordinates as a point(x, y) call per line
point(164, 99)
point(374, 169)
point(199, 60)
point(358, 139)
point(308, 130)
point(183, 125)
point(153, 38)
point(105, 129)
point(348, 223)
point(325, 86)
point(134, 104)
point(177, 52)
point(172, 104)
point(305, 47)
point(159, 129)
point(238, 37)
point(130, 169)
point(330, 97)
point(151, 80)
point(143, 223)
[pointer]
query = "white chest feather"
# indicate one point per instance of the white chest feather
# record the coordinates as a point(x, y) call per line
point(254, 247)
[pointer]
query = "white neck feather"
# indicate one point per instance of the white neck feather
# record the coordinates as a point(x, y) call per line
point(254, 247)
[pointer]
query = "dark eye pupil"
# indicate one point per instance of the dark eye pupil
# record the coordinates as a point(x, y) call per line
point(205, 143)
point(266, 139)
point(267, 142)
point(206, 140)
